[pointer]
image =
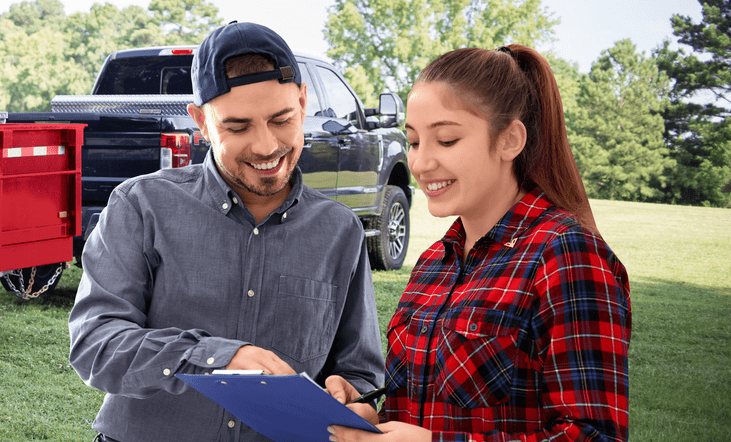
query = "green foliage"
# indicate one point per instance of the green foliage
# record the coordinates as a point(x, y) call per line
point(185, 22)
point(388, 42)
point(616, 129)
point(697, 129)
point(44, 53)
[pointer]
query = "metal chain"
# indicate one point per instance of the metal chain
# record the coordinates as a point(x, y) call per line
point(26, 293)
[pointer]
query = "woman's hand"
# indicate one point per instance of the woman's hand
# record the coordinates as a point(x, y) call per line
point(392, 432)
point(345, 393)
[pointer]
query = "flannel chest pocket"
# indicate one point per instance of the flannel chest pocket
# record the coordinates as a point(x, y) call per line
point(476, 354)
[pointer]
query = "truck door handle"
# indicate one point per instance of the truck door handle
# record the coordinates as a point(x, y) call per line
point(345, 142)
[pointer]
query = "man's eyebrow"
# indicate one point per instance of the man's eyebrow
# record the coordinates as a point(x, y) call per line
point(281, 112)
point(437, 124)
point(235, 120)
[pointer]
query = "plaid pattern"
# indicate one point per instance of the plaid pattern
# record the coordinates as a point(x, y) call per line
point(525, 341)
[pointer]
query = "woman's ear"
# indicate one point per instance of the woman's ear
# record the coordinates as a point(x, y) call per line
point(512, 140)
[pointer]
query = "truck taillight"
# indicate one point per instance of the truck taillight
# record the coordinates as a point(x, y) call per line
point(174, 150)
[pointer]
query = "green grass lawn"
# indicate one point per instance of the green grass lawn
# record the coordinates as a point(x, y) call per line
point(678, 259)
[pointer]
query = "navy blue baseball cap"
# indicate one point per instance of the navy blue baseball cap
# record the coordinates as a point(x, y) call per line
point(209, 63)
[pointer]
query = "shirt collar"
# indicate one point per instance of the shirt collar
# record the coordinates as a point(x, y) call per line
point(223, 195)
point(506, 231)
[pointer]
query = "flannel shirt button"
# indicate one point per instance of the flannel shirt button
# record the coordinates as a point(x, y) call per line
point(473, 327)
point(424, 329)
point(211, 361)
point(224, 206)
point(256, 231)
point(166, 372)
point(231, 424)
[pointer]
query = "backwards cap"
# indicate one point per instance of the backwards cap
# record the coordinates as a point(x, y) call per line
point(209, 63)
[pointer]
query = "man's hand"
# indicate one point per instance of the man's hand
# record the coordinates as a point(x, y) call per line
point(250, 357)
point(345, 393)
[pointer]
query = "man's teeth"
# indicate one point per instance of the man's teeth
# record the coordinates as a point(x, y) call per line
point(266, 166)
point(439, 185)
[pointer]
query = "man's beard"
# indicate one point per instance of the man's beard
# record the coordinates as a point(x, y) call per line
point(266, 186)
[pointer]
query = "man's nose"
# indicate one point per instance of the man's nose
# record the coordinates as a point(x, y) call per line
point(264, 142)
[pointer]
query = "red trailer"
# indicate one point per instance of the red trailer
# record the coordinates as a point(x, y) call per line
point(40, 203)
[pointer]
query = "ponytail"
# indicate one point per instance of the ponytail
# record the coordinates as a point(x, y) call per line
point(516, 82)
point(548, 162)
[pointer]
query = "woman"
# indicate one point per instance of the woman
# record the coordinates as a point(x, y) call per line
point(516, 325)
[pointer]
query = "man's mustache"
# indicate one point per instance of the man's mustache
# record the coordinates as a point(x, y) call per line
point(282, 151)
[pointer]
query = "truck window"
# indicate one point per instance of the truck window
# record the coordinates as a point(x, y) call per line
point(176, 81)
point(342, 102)
point(313, 101)
point(153, 75)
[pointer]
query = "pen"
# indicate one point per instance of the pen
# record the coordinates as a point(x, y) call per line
point(367, 397)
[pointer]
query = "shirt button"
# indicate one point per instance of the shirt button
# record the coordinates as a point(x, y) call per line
point(231, 424)
point(424, 329)
point(235, 200)
point(473, 327)
point(166, 372)
point(250, 293)
point(256, 231)
point(224, 206)
point(211, 361)
point(284, 216)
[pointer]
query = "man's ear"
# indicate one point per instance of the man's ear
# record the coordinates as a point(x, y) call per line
point(303, 100)
point(199, 116)
point(512, 140)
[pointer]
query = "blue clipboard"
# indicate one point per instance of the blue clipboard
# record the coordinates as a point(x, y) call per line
point(282, 408)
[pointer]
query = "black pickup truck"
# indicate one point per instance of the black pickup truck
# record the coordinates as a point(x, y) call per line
point(137, 123)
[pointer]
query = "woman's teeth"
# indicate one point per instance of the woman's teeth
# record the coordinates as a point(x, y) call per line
point(439, 185)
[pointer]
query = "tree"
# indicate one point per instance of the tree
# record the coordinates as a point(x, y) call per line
point(696, 125)
point(37, 15)
point(388, 42)
point(33, 68)
point(43, 53)
point(616, 130)
point(185, 22)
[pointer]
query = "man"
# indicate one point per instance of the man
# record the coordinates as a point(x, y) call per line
point(233, 263)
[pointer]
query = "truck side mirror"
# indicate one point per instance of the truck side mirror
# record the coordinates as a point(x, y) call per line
point(336, 128)
point(391, 109)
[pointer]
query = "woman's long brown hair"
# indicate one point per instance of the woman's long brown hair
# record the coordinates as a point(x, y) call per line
point(517, 83)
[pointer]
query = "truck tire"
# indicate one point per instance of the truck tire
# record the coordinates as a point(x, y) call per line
point(43, 275)
point(388, 249)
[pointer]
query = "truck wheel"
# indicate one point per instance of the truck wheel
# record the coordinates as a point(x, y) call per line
point(388, 249)
point(45, 276)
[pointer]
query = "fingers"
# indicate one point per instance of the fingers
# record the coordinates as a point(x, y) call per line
point(340, 389)
point(366, 411)
point(250, 357)
point(345, 434)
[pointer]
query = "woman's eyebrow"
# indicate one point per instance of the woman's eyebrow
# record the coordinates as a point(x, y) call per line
point(436, 124)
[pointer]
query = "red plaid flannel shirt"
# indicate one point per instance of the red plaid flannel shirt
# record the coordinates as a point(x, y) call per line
point(525, 341)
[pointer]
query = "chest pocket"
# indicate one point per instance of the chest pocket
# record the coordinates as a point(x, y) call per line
point(305, 320)
point(475, 358)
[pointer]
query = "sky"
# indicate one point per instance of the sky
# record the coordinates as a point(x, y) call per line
point(587, 26)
